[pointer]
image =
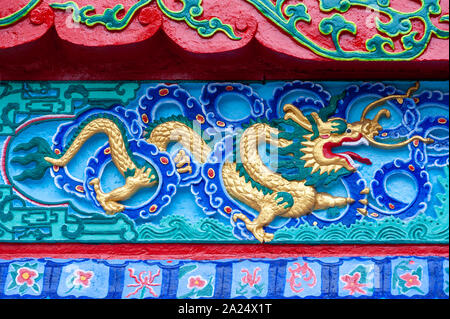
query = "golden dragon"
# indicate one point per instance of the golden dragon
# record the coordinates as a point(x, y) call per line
point(306, 140)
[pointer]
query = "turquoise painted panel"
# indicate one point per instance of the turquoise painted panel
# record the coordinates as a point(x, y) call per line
point(141, 162)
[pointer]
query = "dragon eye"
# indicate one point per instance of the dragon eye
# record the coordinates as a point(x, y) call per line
point(349, 130)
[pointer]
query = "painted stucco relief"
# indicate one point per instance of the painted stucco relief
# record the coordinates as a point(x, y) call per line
point(282, 162)
point(388, 31)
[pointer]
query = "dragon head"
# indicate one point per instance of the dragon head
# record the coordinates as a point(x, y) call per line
point(322, 134)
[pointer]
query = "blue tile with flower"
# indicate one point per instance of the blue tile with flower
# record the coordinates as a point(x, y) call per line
point(142, 280)
point(250, 279)
point(84, 279)
point(25, 278)
point(409, 277)
point(303, 278)
point(307, 277)
point(357, 278)
point(196, 280)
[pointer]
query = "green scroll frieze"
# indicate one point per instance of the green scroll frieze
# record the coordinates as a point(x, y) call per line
point(399, 196)
point(287, 17)
point(390, 24)
point(191, 10)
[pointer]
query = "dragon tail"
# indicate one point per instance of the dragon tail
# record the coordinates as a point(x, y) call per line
point(44, 157)
point(113, 129)
point(43, 149)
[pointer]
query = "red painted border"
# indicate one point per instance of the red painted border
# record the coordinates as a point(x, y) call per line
point(211, 251)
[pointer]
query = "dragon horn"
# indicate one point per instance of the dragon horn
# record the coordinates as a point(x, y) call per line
point(293, 113)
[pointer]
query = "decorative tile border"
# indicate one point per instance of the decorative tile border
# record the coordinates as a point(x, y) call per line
point(306, 277)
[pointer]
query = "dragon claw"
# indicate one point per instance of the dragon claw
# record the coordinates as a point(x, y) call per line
point(255, 228)
point(183, 162)
point(110, 207)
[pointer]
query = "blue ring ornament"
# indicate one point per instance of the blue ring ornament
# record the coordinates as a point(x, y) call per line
point(395, 207)
point(408, 109)
point(189, 107)
point(435, 154)
point(210, 98)
point(154, 96)
point(168, 179)
point(354, 92)
point(320, 94)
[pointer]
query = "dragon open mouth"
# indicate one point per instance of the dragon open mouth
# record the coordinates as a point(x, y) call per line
point(350, 157)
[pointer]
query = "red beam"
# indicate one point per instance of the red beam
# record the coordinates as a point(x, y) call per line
point(211, 251)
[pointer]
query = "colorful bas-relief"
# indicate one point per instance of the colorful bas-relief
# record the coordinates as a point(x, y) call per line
point(279, 162)
point(293, 278)
point(238, 149)
point(389, 22)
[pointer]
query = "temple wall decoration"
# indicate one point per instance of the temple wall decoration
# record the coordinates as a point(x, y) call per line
point(169, 162)
point(315, 130)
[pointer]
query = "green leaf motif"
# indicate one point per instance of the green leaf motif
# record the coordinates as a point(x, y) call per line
point(18, 15)
point(362, 271)
point(16, 266)
point(186, 269)
point(339, 5)
point(13, 283)
point(298, 12)
point(35, 287)
point(398, 24)
point(208, 290)
point(109, 18)
point(22, 289)
point(259, 288)
point(418, 273)
point(241, 290)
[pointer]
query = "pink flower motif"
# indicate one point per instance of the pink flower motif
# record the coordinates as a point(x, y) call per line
point(143, 282)
point(249, 279)
point(26, 275)
point(196, 282)
point(411, 280)
point(300, 272)
point(352, 283)
point(83, 278)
